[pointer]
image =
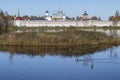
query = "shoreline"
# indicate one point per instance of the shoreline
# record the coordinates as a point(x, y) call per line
point(74, 37)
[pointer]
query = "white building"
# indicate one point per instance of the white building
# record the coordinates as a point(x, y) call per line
point(42, 23)
point(59, 19)
point(47, 16)
point(59, 16)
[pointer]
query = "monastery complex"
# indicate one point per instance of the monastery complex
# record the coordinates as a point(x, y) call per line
point(59, 19)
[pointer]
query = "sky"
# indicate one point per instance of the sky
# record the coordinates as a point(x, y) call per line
point(72, 8)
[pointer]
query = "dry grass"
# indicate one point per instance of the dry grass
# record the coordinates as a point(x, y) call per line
point(77, 37)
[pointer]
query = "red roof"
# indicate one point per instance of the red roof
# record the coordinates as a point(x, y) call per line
point(19, 18)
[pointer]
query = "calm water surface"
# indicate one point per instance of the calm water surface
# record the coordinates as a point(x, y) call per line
point(102, 65)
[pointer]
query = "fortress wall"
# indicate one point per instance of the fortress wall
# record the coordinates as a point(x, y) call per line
point(48, 23)
point(102, 23)
point(37, 23)
point(119, 23)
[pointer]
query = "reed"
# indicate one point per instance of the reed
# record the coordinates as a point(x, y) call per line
point(75, 37)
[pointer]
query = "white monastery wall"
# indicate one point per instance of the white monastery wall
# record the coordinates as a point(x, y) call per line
point(42, 23)
point(102, 23)
point(119, 23)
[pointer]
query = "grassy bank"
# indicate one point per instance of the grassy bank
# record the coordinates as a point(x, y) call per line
point(69, 37)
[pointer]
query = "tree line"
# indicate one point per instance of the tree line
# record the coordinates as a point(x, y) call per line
point(115, 18)
point(33, 17)
point(5, 23)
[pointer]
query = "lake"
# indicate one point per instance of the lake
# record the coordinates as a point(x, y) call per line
point(60, 63)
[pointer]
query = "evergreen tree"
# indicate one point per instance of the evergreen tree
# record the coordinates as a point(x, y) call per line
point(115, 18)
point(4, 23)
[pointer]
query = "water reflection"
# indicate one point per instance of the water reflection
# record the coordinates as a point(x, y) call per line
point(86, 61)
point(66, 51)
point(115, 33)
point(60, 62)
point(89, 60)
point(84, 51)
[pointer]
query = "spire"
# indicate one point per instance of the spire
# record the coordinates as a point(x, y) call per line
point(117, 13)
point(18, 16)
point(18, 12)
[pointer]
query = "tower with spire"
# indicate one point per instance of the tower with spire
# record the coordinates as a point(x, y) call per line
point(85, 16)
point(18, 12)
point(18, 19)
point(18, 16)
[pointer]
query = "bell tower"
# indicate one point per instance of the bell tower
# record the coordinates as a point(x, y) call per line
point(85, 16)
point(18, 19)
point(47, 13)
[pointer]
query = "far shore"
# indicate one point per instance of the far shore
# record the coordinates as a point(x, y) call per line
point(61, 36)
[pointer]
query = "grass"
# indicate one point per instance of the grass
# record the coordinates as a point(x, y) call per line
point(69, 37)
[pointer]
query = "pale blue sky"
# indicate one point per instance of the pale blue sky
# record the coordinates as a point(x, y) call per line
point(73, 8)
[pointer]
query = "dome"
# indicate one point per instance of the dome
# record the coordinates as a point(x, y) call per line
point(85, 13)
point(47, 11)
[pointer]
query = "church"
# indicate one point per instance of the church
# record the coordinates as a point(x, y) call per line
point(59, 19)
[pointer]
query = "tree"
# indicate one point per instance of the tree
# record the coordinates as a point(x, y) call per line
point(70, 18)
point(94, 18)
point(4, 23)
point(6, 13)
point(26, 17)
point(116, 18)
point(99, 18)
point(111, 18)
point(73, 18)
point(10, 17)
point(33, 17)
point(78, 18)
point(117, 13)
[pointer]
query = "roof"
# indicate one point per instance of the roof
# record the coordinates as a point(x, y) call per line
point(19, 18)
point(85, 13)
point(47, 11)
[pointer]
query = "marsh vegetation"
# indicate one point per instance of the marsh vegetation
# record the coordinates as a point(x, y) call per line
point(75, 37)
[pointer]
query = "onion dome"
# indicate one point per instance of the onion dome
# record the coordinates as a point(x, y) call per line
point(47, 11)
point(85, 13)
